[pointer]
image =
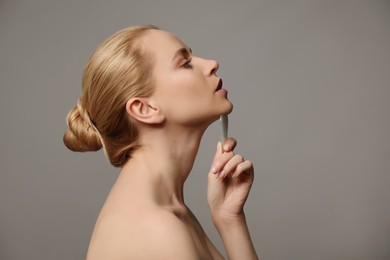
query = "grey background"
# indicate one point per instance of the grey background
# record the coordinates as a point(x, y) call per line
point(310, 84)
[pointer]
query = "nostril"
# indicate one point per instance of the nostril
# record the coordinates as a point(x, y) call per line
point(215, 67)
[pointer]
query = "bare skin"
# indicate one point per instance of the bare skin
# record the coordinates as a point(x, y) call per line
point(145, 215)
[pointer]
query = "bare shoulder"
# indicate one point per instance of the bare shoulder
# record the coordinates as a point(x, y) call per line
point(151, 233)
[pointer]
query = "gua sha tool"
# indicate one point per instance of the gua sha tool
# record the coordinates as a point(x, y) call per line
point(224, 124)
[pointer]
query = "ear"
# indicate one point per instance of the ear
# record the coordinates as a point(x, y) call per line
point(142, 110)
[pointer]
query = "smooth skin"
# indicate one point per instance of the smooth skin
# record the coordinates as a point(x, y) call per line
point(145, 215)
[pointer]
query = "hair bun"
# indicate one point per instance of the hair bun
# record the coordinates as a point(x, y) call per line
point(81, 136)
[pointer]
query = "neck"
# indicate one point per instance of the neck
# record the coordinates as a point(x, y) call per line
point(159, 168)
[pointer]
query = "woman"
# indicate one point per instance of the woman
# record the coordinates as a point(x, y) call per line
point(146, 100)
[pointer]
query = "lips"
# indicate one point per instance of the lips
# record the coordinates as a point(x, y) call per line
point(220, 83)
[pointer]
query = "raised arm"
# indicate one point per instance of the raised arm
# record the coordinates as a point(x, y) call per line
point(230, 180)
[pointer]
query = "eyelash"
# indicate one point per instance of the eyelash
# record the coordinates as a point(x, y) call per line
point(187, 64)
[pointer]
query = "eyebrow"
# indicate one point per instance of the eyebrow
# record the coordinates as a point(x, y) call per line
point(182, 52)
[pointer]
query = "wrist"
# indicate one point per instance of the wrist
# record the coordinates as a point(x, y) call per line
point(228, 219)
point(235, 235)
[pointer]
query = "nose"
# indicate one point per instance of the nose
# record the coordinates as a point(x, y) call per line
point(212, 67)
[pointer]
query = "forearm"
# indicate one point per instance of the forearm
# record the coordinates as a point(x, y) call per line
point(236, 237)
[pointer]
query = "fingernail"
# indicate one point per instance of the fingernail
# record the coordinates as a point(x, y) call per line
point(226, 147)
point(214, 170)
point(222, 174)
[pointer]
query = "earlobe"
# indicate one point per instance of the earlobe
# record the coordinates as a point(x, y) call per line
point(143, 111)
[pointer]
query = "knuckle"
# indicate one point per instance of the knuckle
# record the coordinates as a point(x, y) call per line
point(249, 163)
point(229, 155)
point(239, 157)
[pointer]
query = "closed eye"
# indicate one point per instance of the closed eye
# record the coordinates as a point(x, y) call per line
point(187, 64)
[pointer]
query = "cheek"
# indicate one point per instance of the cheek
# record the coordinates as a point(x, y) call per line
point(186, 87)
point(183, 95)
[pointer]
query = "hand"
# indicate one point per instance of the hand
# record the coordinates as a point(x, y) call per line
point(229, 182)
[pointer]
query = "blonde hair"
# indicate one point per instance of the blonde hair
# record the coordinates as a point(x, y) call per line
point(118, 70)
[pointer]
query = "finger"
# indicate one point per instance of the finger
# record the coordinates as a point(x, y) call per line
point(219, 151)
point(220, 161)
point(231, 165)
point(244, 167)
point(229, 144)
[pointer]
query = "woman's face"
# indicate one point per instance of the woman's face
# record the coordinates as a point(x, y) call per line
point(186, 90)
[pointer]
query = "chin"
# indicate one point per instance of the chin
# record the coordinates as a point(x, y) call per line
point(225, 111)
point(228, 109)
